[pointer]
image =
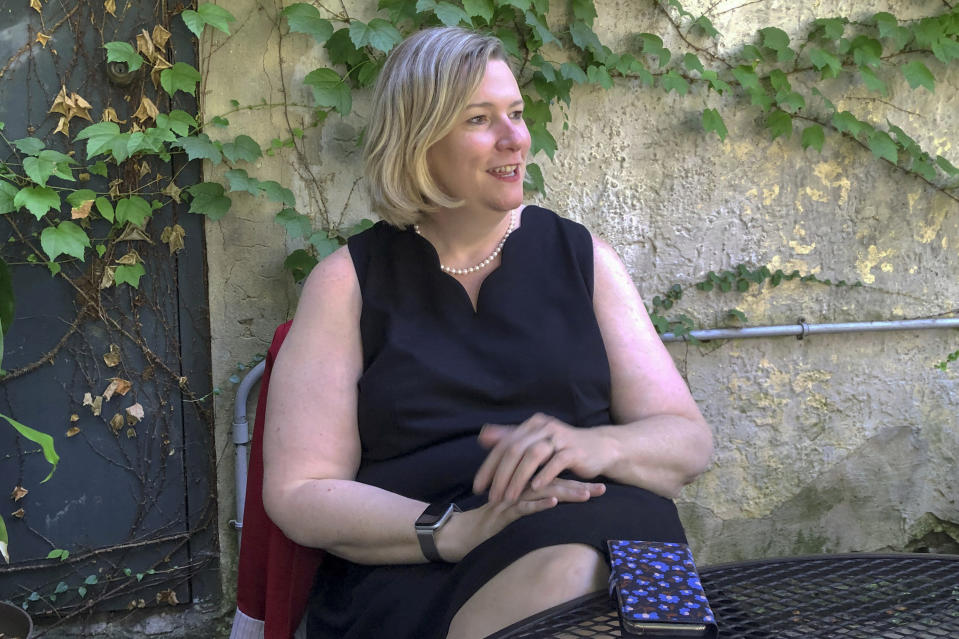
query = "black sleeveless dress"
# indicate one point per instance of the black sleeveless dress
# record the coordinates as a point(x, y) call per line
point(435, 370)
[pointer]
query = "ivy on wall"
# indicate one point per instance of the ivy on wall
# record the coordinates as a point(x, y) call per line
point(788, 83)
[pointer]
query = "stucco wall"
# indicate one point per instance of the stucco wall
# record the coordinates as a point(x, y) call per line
point(832, 443)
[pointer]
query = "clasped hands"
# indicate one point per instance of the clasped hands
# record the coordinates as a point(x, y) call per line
point(521, 474)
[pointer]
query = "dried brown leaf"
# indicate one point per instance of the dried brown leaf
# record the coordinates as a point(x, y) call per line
point(110, 6)
point(110, 115)
point(159, 64)
point(109, 277)
point(19, 492)
point(19, 513)
point(36, 6)
point(173, 236)
point(131, 432)
point(72, 431)
point(60, 103)
point(112, 357)
point(160, 36)
point(74, 418)
point(144, 169)
point(63, 126)
point(136, 603)
point(109, 390)
point(87, 399)
point(123, 385)
point(82, 211)
point(173, 192)
point(131, 258)
point(133, 233)
point(43, 38)
point(81, 108)
point(167, 597)
point(145, 45)
point(134, 413)
point(97, 406)
point(116, 423)
point(147, 110)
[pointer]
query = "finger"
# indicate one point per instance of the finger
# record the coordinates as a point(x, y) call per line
point(531, 449)
point(560, 461)
point(537, 453)
point(530, 506)
point(484, 476)
point(562, 489)
point(492, 434)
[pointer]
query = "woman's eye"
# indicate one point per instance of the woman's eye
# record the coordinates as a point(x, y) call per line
point(477, 119)
point(517, 115)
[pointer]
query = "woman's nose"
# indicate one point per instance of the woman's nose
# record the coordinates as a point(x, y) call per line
point(513, 135)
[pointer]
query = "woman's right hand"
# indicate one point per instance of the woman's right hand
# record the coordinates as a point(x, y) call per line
point(469, 529)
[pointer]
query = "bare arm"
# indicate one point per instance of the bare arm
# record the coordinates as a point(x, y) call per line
point(311, 448)
point(660, 441)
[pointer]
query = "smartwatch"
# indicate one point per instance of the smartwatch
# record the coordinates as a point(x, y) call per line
point(433, 518)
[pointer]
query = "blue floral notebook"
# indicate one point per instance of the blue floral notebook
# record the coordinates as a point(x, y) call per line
point(658, 590)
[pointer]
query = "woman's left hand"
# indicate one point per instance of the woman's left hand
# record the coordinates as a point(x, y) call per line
point(540, 443)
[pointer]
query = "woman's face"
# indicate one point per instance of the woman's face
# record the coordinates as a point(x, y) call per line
point(483, 159)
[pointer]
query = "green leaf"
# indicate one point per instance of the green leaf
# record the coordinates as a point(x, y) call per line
point(480, 8)
point(123, 52)
point(750, 53)
point(693, 63)
point(296, 224)
point(379, 34)
point(830, 28)
point(918, 75)
point(207, 14)
point(133, 209)
point(866, 52)
point(64, 239)
point(653, 45)
point(886, 23)
point(99, 137)
point(572, 72)
point(209, 199)
point(510, 41)
point(341, 49)
point(828, 65)
point(813, 136)
point(792, 100)
point(672, 81)
point(105, 209)
point(91, 580)
point(242, 148)
point(278, 193)
point(746, 76)
point(180, 122)
point(199, 147)
point(82, 591)
point(883, 146)
point(99, 168)
point(599, 75)
point(946, 166)
point(323, 243)
point(37, 199)
point(533, 179)
point(329, 90)
point(39, 170)
point(80, 196)
point(717, 85)
point(180, 77)
point(872, 81)
point(31, 146)
point(779, 81)
point(584, 38)
point(129, 274)
point(925, 168)
point(705, 25)
point(305, 18)
point(359, 227)
point(779, 124)
point(240, 181)
point(846, 122)
point(8, 192)
point(539, 27)
point(584, 10)
point(777, 40)
point(759, 97)
point(542, 140)
point(712, 121)
point(299, 263)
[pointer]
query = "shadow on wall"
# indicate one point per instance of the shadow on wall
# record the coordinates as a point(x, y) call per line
point(884, 492)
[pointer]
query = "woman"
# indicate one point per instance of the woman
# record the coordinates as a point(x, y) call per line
point(458, 376)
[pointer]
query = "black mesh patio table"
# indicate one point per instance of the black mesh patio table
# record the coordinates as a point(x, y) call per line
point(857, 596)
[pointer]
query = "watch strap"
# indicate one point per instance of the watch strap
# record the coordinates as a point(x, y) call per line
point(426, 535)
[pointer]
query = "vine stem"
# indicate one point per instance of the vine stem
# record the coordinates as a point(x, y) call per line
point(683, 37)
point(30, 44)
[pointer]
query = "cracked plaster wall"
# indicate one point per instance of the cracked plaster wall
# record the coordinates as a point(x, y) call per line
point(834, 443)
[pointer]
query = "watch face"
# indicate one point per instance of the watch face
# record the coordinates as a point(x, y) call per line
point(432, 515)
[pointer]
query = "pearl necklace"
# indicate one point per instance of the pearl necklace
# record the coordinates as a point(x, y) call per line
point(484, 263)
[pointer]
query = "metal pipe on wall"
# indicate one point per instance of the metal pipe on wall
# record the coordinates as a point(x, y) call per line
point(801, 329)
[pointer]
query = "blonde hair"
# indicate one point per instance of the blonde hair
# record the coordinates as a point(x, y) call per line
point(425, 84)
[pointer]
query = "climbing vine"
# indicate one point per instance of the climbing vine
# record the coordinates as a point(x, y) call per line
point(80, 201)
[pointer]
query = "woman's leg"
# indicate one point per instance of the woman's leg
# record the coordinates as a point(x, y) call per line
point(541, 579)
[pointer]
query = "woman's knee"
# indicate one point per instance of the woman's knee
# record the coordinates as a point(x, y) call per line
point(569, 570)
